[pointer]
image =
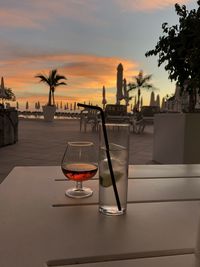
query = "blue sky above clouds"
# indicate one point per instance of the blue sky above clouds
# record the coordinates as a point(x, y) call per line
point(85, 40)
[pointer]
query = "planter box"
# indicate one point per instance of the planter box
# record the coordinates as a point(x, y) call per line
point(177, 138)
point(49, 112)
point(8, 127)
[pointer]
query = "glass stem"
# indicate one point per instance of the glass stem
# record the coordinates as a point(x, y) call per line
point(79, 186)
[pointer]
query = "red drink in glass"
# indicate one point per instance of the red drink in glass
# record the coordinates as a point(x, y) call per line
point(79, 171)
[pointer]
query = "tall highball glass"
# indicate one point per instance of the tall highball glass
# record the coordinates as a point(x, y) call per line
point(118, 139)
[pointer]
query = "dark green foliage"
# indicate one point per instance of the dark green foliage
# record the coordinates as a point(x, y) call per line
point(179, 49)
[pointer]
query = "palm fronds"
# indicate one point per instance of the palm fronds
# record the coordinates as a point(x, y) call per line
point(53, 80)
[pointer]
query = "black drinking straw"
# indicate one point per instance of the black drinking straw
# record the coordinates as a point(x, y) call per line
point(107, 151)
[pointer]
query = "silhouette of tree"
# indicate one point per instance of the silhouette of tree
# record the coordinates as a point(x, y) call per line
point(9, 95)
point(53, 80)
point(140, 82)
point(179, 49)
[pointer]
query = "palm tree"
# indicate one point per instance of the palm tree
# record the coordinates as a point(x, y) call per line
point(8, 95)
point(141, 82)
point(53, 80)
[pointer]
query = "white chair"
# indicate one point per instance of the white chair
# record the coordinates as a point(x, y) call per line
point(138, 123)
point(89, 116)
point(116, 114)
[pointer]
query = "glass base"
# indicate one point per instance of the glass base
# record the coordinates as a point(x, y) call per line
point(79, 193)
point(111, 210)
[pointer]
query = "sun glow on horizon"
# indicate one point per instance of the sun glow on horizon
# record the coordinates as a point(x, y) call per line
point(86, 75)
point(41, 35)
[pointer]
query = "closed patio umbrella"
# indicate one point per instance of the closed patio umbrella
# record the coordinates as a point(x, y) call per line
point(158, 101)
point(27, 105)
point(2, 89)
point(152, 99)
point(104, 101)
point(119, 95)
point(38, 105)
point(163, 104)
point(2, 82)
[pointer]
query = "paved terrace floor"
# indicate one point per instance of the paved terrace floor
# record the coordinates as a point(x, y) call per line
point(42, 144)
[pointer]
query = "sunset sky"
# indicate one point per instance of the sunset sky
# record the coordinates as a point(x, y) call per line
point(85, 40)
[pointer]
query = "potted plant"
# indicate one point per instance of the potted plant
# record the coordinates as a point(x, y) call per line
point(9, 117)
point(7, 95)
point(53, 80)
point(176, 136)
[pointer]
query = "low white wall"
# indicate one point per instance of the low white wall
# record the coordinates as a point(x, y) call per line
point(176, 138)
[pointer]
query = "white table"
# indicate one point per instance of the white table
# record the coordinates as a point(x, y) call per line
point(40, 226)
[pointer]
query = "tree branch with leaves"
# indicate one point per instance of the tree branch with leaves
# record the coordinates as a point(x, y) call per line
point(179, 49)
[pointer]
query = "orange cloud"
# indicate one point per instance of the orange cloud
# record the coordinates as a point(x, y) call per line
point(34, 14)
point(148, 5)
point(15, 19)
point(86, 74)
